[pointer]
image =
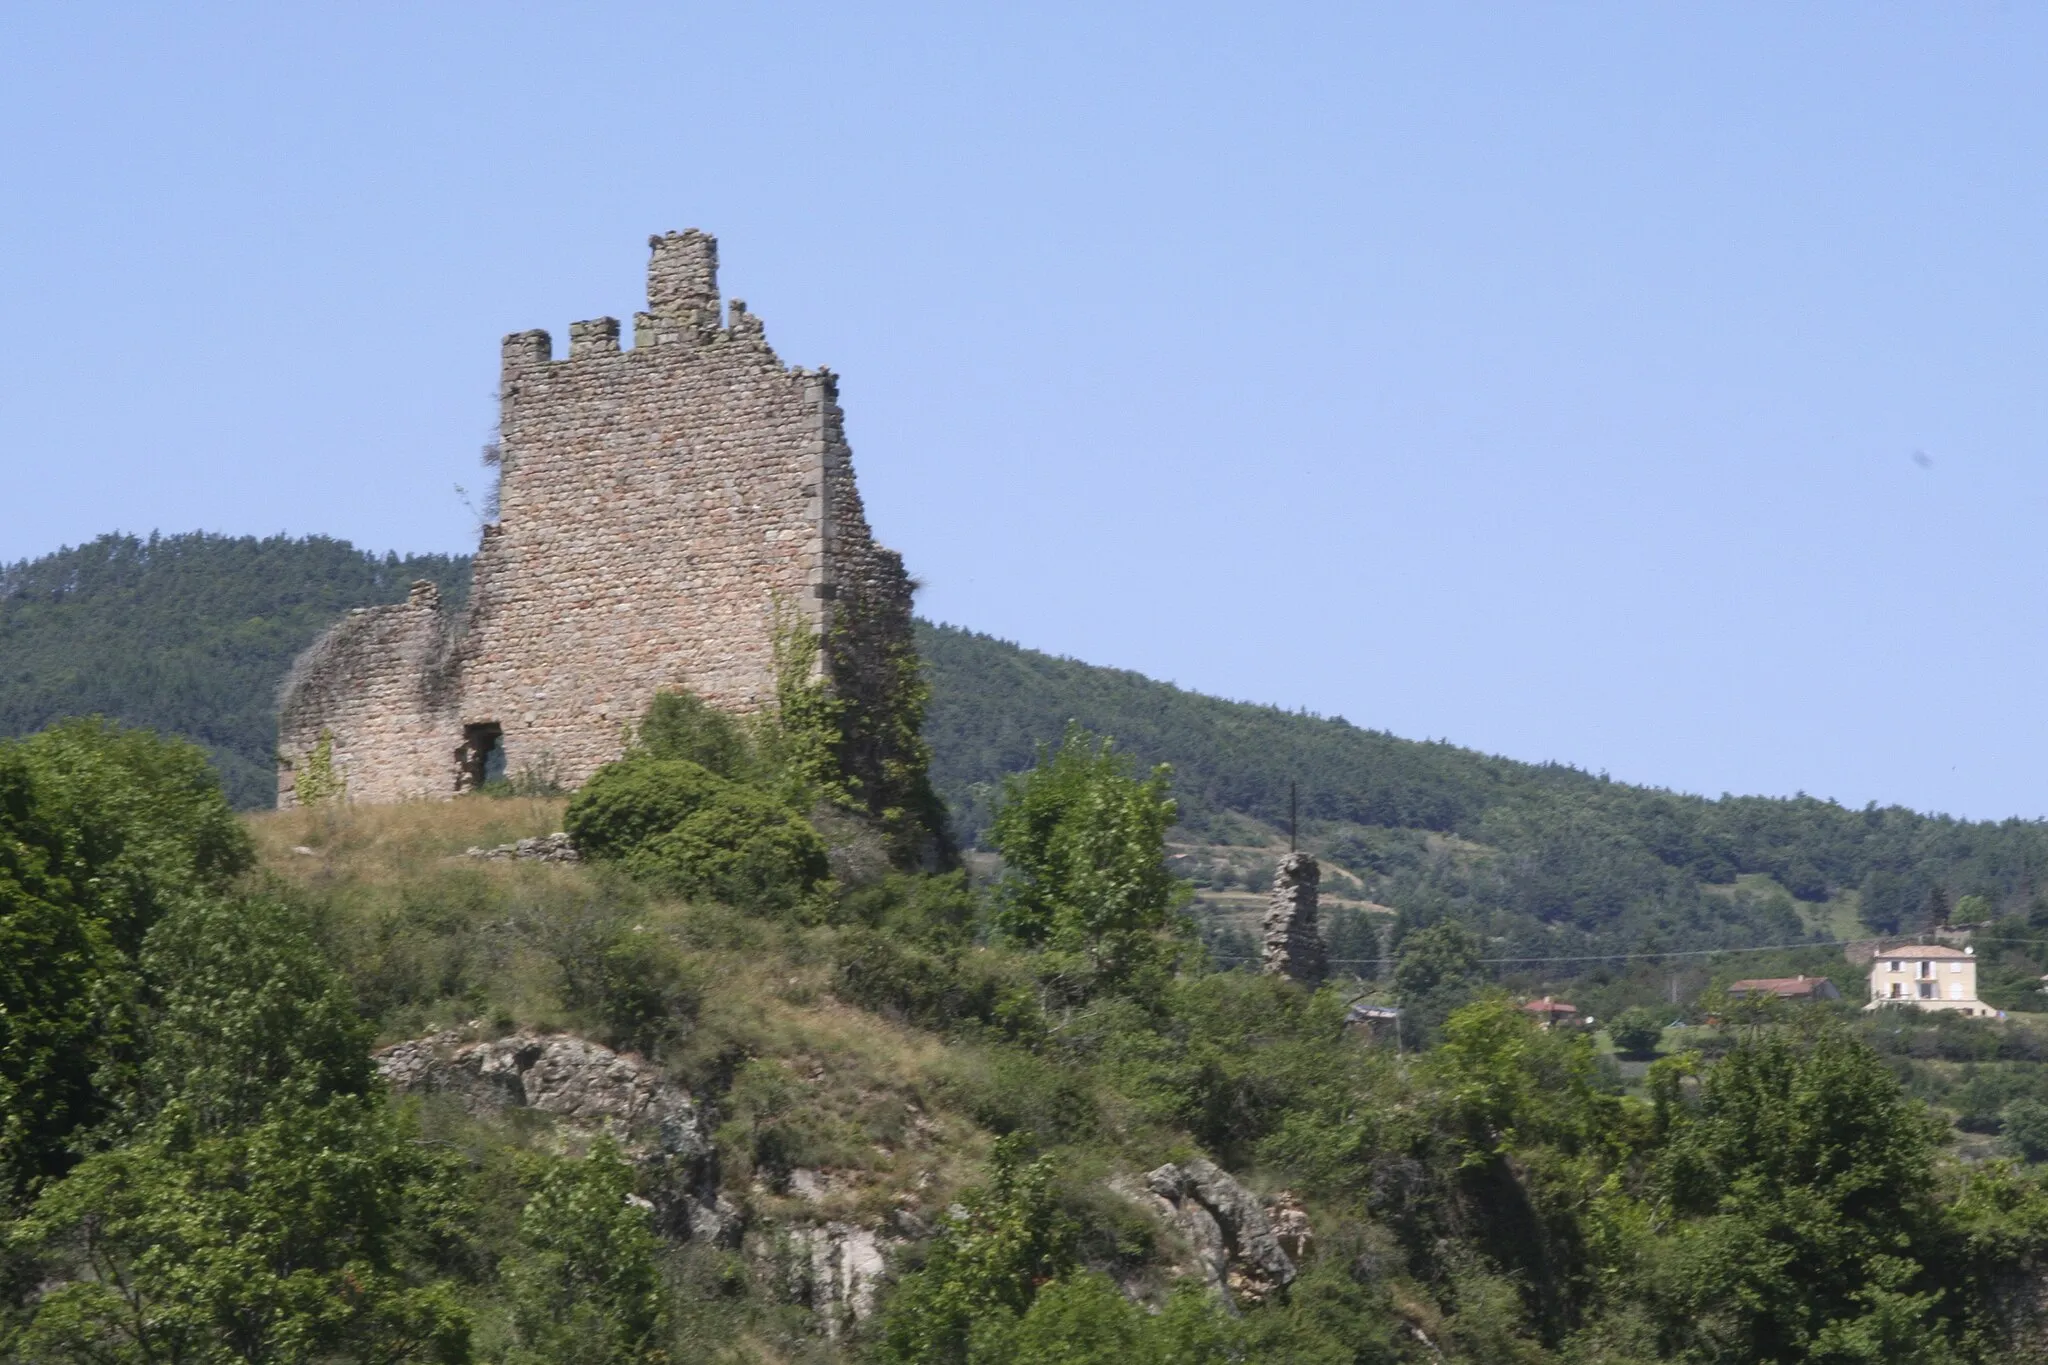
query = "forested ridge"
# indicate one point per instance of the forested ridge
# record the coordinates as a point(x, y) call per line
point(187, 634)
point(190, 634)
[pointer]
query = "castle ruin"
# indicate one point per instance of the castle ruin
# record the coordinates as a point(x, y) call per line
point(667, 512)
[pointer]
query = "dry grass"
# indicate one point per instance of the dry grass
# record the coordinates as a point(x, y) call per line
point(434, 940)
point(383, 840)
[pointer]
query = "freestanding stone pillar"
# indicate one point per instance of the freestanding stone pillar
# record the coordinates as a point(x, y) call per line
point(1293, 947)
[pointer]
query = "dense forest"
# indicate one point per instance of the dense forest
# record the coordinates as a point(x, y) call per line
point(190, 634)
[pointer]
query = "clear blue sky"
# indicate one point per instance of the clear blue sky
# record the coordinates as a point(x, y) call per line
point(1549, 378)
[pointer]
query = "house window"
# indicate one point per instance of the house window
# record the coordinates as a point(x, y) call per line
point(1927, 990)
point(1926, 969)
point(1955, 969)
point(1891, 966)
point(1898, 990)
point(1955, 991)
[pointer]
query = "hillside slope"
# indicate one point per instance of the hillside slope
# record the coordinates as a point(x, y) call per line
point(191, 633)
point(1521, 845)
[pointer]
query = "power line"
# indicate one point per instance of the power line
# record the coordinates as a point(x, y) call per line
point(1641, 956)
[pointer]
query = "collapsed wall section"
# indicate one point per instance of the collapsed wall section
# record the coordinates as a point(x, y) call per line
point(662, 507)
point(369, 707)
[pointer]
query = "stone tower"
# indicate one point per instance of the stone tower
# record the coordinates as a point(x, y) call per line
point(665, 509)
point(1294, 948)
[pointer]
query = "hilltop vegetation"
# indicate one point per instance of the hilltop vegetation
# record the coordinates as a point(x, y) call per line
point(980, 1074)
point(189, 635)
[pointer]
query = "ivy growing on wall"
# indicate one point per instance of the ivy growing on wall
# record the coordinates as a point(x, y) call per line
point(808, 736)
point(318, 779)
point(881, 683)
point(850, 723)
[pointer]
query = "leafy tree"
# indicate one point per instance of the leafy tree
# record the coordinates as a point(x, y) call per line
point(265, 1203)
point(279, 1241)
point(984, 1266)
point(1637, 1030)
point(1436, 969)
point(1083, 841)
point(102, 831)
point(1807, 1180)
point(1502, 1083)
point(249, 1015)
point(586, 1285)
point(1083, 1319)
point(1886, 902)
point(2025, 1129)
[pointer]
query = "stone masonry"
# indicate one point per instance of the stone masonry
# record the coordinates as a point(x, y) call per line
point(663, 507)
point(1294, 948)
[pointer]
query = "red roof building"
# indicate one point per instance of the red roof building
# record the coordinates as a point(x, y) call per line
point(1787, 987)
point(1552, 1011)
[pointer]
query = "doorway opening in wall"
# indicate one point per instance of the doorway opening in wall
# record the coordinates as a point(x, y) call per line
point(481, 758)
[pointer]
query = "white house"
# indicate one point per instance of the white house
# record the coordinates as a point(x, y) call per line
point(1928, 977)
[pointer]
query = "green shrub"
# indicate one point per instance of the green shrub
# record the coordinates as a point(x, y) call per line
point(627, 803)
point(2026, 1129)
point(678, 826)
point(680, 725)
point(933, 909)
point(636, 986)
point(1008, 1090)
point(935, 987)
point(1636, 1030)
point(740, 847)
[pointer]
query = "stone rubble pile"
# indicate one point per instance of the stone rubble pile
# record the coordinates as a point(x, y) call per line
point(548, 848)
point(1293, 947)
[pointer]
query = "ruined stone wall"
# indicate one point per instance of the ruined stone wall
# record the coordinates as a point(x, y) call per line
point(380, 685)
point(659, 504)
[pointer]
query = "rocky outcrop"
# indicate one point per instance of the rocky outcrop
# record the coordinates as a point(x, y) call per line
point(592, 1088)
point(1235, 1243)
point(1293, 945)
point(547, 848)
point(835, 1269)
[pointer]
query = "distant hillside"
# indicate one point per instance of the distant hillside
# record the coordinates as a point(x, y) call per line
point(1547, 859)
point(191, 633)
